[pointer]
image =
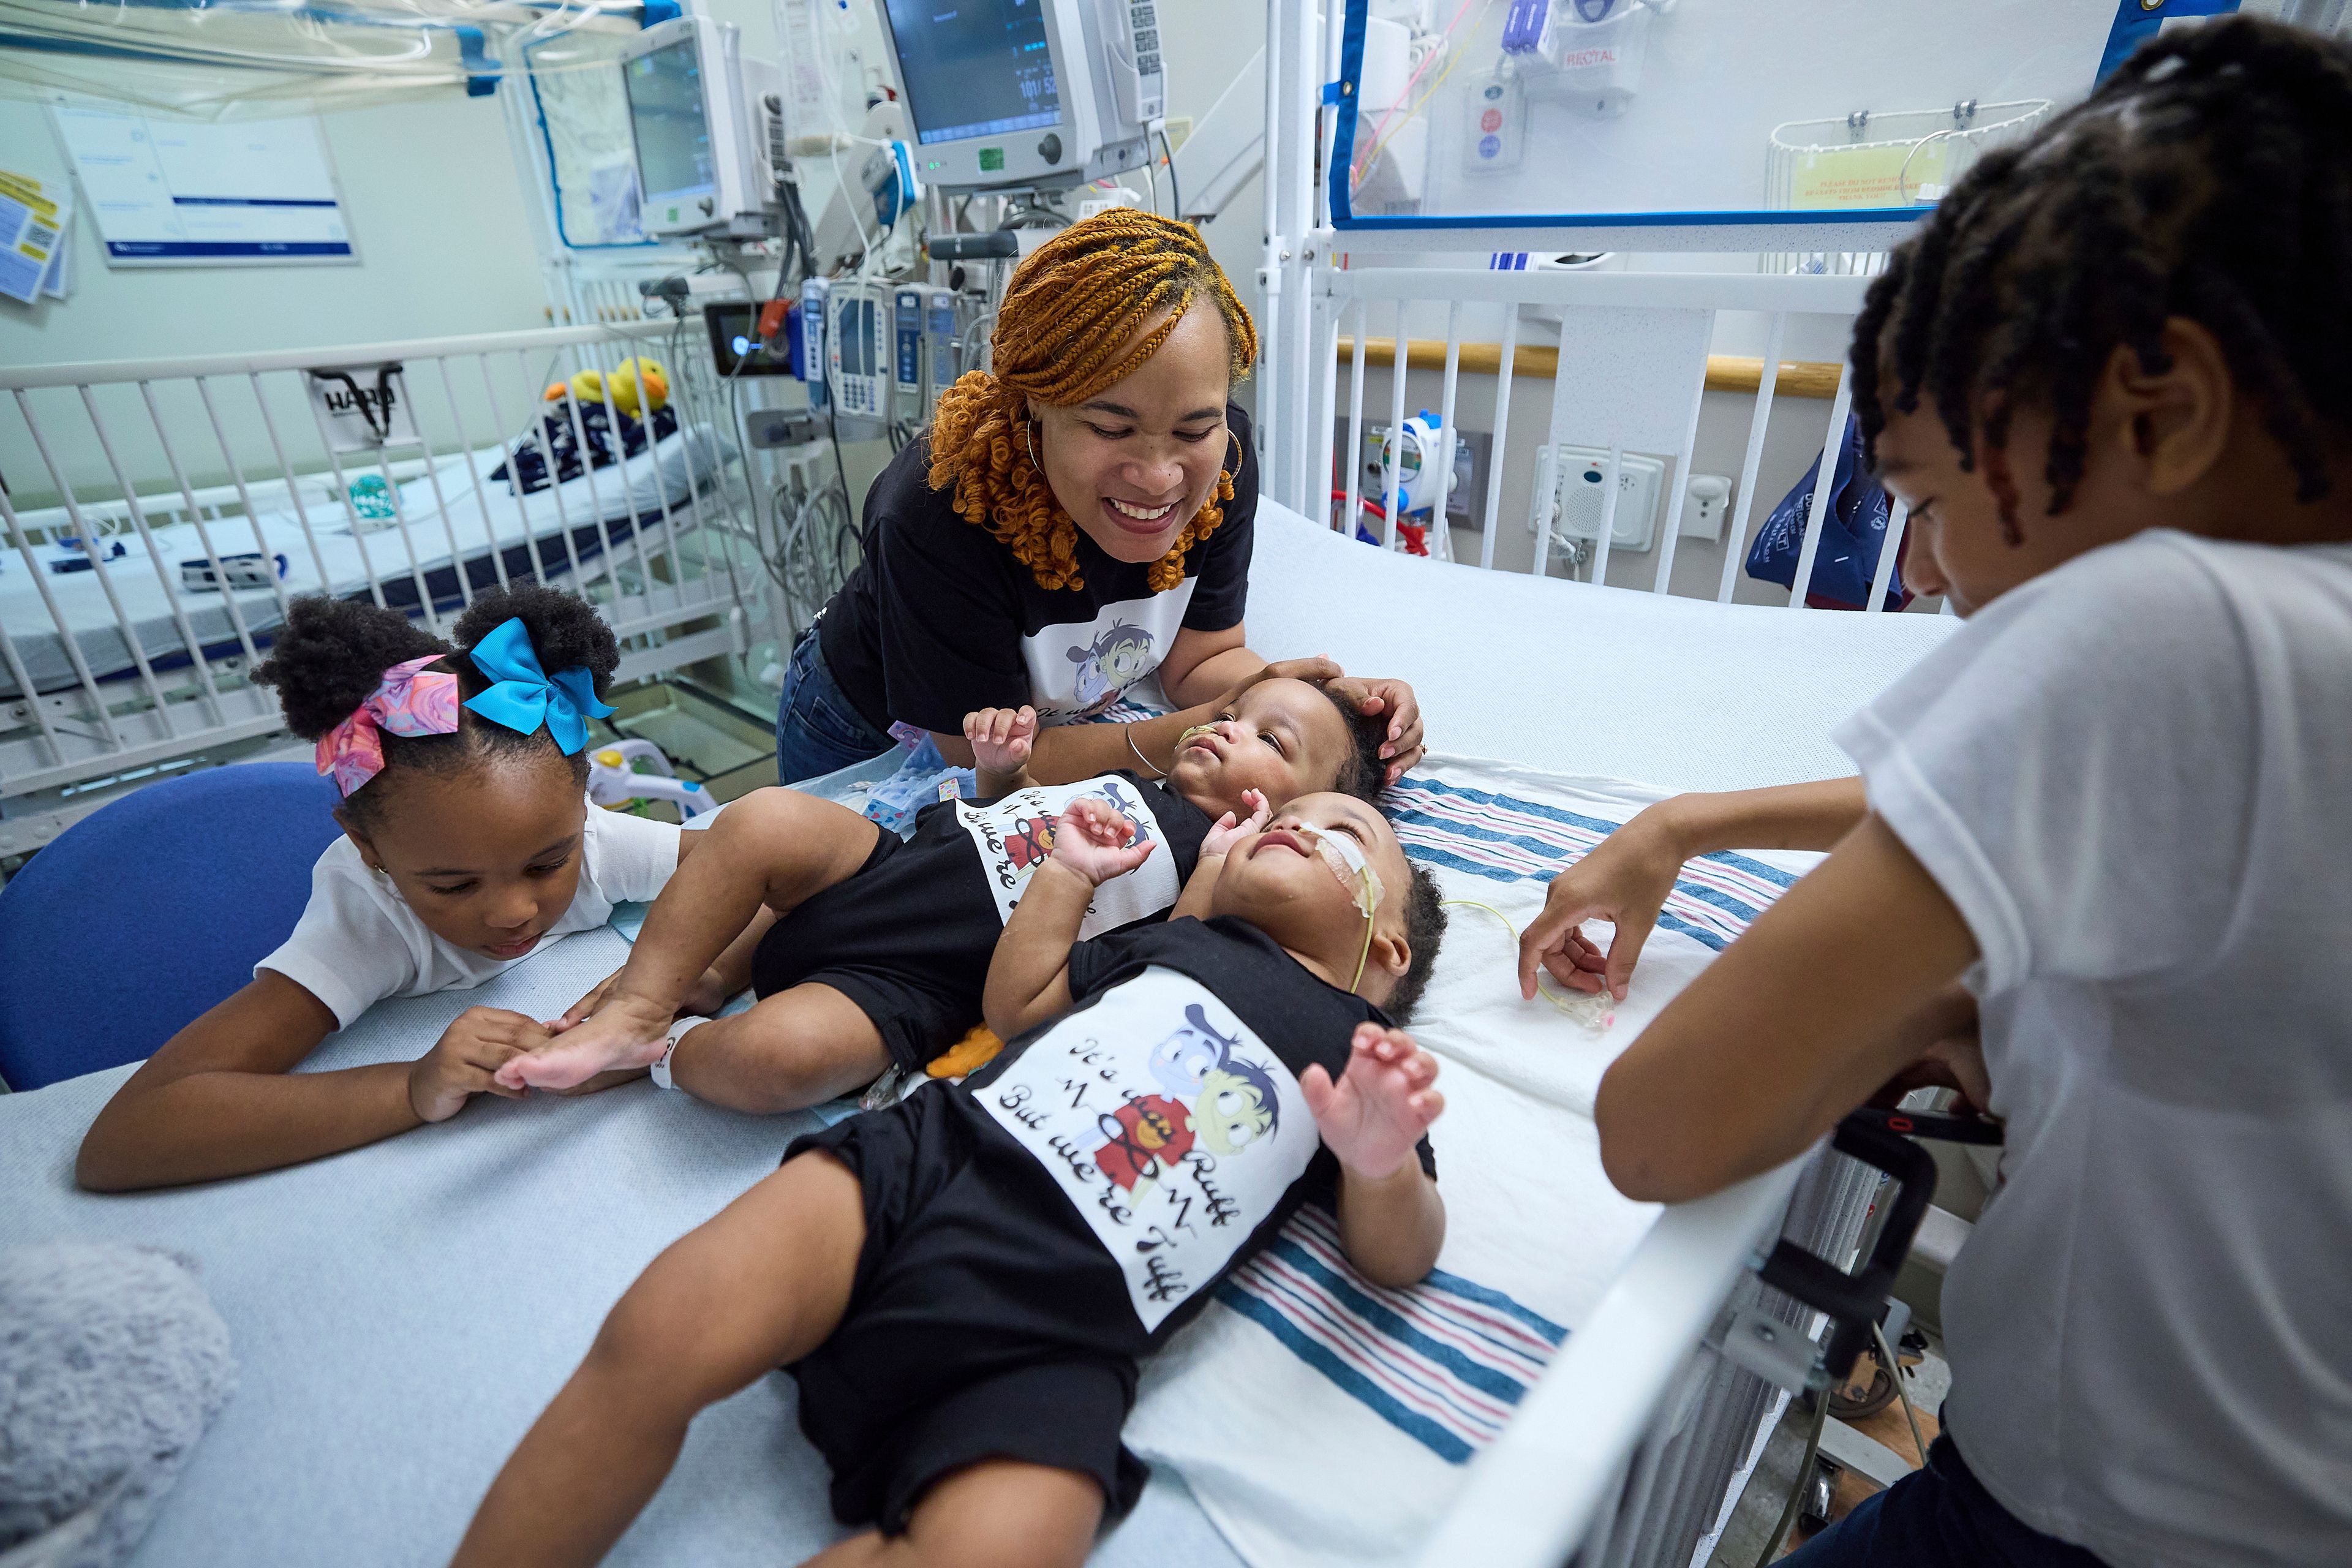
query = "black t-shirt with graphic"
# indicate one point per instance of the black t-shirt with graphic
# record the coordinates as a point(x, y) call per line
point(935, 906)
point(940, 619)
point(1147, 1142)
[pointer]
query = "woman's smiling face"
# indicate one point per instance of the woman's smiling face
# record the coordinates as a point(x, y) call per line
point(1134, 463)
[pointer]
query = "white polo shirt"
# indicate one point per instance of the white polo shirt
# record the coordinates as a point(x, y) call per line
point(359, 942)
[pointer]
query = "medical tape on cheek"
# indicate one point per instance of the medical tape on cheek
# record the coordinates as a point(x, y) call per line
point(1185, 739)
point(1348, 862)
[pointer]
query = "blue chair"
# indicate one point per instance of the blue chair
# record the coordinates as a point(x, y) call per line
point(145, 913)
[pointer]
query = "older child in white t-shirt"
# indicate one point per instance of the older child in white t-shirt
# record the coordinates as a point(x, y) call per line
point(468, 845)
point(2113, 379)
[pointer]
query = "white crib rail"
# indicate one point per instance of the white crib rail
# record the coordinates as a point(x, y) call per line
point(1602, 313)
point(232, 447)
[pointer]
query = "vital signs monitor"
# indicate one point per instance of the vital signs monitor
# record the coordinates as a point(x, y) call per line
point(1027, 92)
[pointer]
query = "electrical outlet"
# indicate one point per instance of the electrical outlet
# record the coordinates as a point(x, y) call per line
point(1707, 502)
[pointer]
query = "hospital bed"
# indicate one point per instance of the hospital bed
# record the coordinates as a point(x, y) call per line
point(403, 1311)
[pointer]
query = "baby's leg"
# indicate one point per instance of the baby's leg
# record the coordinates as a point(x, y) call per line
point(999, 1513)
point(761, 1285)
point(798, 1047)
point(772, 848)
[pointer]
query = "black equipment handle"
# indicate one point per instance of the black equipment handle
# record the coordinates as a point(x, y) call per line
point(1856, 1302)
point(1926, 1124)
point(997, 244)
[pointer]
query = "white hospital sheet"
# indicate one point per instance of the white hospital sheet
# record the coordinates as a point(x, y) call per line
point(1680, 693)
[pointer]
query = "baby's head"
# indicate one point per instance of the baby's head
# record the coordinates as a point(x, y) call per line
point(1301, 881)
point(1284, 739)
point(479, 828)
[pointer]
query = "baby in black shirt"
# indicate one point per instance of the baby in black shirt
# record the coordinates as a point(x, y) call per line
point(963, 1284)
point(867, 952)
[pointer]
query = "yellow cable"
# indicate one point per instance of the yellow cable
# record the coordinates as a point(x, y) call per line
point(1565, 1006)
point(1455, 59)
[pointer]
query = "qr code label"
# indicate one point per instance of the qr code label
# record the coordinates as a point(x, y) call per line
point(39, 237)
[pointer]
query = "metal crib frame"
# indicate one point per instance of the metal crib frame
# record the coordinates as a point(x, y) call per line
point(121, 445)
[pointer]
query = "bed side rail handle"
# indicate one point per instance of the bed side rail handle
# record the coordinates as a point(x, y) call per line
point(1854, 1302)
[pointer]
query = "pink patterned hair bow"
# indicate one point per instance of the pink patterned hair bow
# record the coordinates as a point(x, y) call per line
point(408, 702)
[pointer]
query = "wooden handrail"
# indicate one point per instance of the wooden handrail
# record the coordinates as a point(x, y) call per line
point(1725, 373)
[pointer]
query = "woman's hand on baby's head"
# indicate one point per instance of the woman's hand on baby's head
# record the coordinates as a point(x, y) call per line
point(1383, 1102)
point(1095, 839)
point(1228, 832)
point(1001, 737)
point(467, 1060)
point(1395, 701)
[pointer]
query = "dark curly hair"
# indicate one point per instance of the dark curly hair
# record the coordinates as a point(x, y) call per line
point(2206, 179)
point(1424, 928)
point(1364, 773)
point(330, 654)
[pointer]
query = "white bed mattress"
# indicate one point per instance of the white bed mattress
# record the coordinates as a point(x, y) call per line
point(477, 516)
point(1572, 679)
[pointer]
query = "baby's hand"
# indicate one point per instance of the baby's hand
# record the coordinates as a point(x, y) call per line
point(1096, 842)
point(466, 1060)
point(1001, 737)
point(1381, 1105)
point(1221, 838)
point(623, 1032)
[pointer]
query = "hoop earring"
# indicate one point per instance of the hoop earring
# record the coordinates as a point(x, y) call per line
point(1026, 427)
point(1235, 437)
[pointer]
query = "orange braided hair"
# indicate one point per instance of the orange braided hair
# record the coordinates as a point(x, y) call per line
point(1076, 300)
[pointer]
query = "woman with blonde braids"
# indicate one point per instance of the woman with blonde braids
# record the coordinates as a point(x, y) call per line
point(1076, 519)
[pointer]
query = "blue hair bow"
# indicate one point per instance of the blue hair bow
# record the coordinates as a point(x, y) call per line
point(525, 697)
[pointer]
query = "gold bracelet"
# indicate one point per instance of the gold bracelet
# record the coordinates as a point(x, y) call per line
point(1127, 730)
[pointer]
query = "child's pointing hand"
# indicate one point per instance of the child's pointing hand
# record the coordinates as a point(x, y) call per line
point(1383, 1102)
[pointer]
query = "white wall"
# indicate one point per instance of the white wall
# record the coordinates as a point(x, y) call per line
point(435, 209)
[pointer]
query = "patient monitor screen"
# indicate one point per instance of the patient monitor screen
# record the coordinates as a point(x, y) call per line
point(974, 68)
point(673, 158)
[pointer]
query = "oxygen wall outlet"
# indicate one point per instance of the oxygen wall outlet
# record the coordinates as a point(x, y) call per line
point(1707, 502)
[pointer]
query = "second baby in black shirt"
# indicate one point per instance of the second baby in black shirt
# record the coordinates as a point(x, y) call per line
point(868, 952)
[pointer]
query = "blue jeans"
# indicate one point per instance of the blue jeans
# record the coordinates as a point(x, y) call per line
point(818, 729)
point(1940, 1517)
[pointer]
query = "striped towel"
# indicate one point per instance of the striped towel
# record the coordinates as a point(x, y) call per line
point(1323, 1420)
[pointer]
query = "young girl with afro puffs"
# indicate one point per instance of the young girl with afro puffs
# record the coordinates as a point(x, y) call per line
point(468, 844)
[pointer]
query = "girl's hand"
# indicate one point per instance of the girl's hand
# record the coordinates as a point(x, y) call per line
point(1225, 832)
point(1001, 737)
point(464, 1061)
point(1381, 1105)
point(1625, 879)
point(1096, 842)
point(1316, 670)
point(1395, 699)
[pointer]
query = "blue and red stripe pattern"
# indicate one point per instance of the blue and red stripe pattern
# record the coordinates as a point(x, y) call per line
point(1507, 839)
point(1445, 1362)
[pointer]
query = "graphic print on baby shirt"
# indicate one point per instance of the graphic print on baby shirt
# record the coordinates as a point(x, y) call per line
point(1015, 834)
point(1173, 1129)
point(1079, 669)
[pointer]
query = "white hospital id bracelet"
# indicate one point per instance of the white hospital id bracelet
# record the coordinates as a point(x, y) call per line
point(677, 1033)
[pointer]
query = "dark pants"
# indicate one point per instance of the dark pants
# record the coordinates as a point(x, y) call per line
point(1940, 1517)
point(818, 729)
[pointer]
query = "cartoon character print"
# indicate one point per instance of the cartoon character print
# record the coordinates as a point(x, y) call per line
point(1117, 659)
point(1031, 841)
point(1217, 1100)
